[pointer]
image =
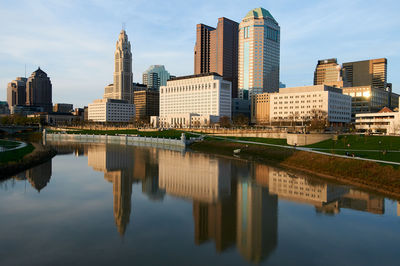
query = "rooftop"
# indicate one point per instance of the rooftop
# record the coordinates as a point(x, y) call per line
point(196, 76)
point(259, 12)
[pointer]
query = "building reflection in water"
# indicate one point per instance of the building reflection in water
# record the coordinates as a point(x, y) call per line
point(257, 221)
point(38, 176)
point(235, 203)
point(123, 166)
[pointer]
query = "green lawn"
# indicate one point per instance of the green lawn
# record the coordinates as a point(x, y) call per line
point(15, 155)
point(360, 142)
point(174, 134)
point(261, 140)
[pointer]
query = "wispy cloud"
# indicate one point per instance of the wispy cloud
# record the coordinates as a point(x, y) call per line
point(74, 41)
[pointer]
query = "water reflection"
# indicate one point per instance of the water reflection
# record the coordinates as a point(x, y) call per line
point(38, 176)
point(234, 203)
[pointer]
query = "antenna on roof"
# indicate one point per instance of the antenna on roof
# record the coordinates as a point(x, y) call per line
point(25, 70)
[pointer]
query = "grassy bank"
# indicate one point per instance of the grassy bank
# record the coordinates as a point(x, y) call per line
point(385, 148)
point(15, 155)
point(173, 134)
point(13, 162)
point(369, 175)
point(370, 147)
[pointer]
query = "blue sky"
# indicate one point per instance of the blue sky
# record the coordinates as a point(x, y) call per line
point(74, 41)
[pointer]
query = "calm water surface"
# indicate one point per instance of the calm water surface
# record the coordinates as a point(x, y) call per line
point(106, 204)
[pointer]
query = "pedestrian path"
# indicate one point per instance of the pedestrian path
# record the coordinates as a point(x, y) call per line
point(20, 146)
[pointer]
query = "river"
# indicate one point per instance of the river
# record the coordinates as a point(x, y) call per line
point(107, 204)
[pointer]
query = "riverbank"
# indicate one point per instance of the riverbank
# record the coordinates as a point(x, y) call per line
point(13, 162)
point(373, 176)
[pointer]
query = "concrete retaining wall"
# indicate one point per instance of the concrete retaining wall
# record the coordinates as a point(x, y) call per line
point(270, 135)
point(306, 139)
point(127, 140)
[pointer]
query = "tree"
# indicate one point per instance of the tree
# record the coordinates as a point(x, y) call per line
point(240, 120)
point(224, 121)
point(318, 120)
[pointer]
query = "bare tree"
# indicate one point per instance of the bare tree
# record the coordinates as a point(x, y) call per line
point(224, 121)
point(318, 120)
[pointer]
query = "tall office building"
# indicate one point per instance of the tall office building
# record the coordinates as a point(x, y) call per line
point(121, 89)
point(366, 73)
point(16, 92)
point(147, 104)
point(156, 76)
point(328, 72)
point(39, 91)
point(216, 50)
point(259, 52)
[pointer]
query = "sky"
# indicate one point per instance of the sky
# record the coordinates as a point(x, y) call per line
point(73, 41)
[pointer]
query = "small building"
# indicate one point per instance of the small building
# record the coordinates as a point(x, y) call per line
point(241, 107)
point(111, 110)
point(298, 104)
point(25, 110)
point(385, 122)
point(367, 99)
point(63, 107)
point(4, 110)
point(183, 120)
point(54, 118)
point(147, 104)
point(260, 108)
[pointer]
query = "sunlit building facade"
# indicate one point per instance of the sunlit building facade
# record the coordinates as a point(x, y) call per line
point(328, 72)
point(111, 110)
point(259, 53)
point(203, 96)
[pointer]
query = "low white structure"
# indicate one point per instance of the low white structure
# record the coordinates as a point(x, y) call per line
point(183, 120)
point(195, 100)
point(298, 104)
point(111, 110)
point(385, 121)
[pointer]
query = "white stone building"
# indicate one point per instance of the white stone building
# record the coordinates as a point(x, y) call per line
point(385, 121)
point(195, 100)
point(111, 110)
point(299, 103)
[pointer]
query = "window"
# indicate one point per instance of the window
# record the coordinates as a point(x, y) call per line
point(246, 32)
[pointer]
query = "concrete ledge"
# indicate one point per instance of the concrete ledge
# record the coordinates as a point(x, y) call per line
point(306, 139)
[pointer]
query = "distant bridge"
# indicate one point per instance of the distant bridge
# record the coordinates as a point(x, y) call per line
point(17, 129)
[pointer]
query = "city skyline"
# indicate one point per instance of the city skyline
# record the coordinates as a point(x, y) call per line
point(76, 49)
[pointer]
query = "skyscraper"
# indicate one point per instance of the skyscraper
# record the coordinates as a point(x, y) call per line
point(328, 72)
point(216, 50)
point(366, 73)
point(39, 91)
point(156, 76)
point(121, 89)
point(16, 92)
point(259, 53)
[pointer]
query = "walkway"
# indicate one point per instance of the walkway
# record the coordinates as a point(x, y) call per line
point(20, 146)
